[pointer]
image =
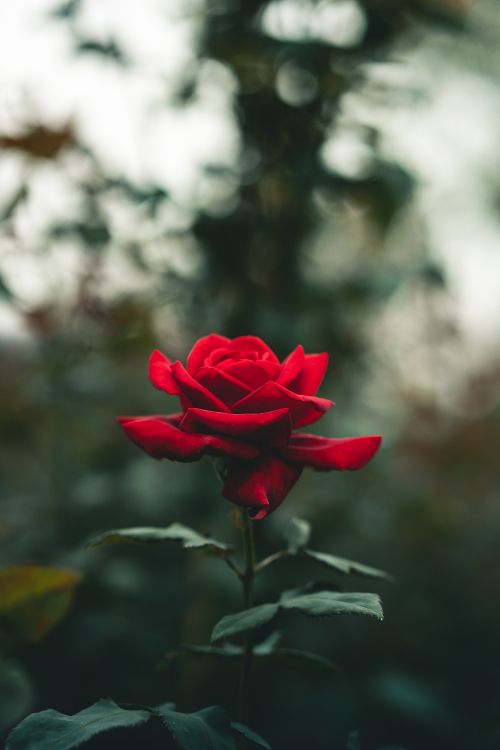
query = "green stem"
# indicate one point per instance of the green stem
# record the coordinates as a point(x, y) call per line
point(247, 580)
point(231, 564)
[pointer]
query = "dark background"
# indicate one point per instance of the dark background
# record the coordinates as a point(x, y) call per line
point(282, 244)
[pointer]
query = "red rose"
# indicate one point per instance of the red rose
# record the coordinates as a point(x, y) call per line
point(240, 402)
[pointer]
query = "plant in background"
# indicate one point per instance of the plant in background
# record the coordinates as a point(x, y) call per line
point(240, 405)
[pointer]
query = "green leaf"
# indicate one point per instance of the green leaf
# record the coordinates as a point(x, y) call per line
point(267, 647)
point(297, 534)
point(343, 565)
point(311, 587)
point(326, 603)
point(265, 650)
point(208, 729)
point(177, 532)
point(228, 652)
point(34, 598)
point(51, 730)
point(303, 660)
point(316, 604)
point(248, 619)
point(249, 735)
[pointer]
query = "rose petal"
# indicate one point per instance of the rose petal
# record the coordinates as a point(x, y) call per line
point(218, 356)
point(253, 374)
point(311, 376)
point(291, 366)
point(253, 344)
point(160, 375)
point(202, 349)
point(269, 428)
point(260, 485)
point(331, 453)
point(222, 385)
point(160, 437)
point(193, 392)
point(303, 409)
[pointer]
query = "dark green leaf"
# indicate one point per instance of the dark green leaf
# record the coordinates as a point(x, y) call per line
point(243, 621)
point(265, 650)
point(343, 565)
point(326, 603)
point(190, 649)
point(317, 604)
point(208, 729)
point(297, 534)
point(311, 587)
point(303, 660)
point(249, 735)
point(228, 652)
point(51, 730)
point(177, 532)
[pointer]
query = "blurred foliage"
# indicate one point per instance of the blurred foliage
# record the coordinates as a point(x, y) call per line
point(281, 244)
point(33, 598)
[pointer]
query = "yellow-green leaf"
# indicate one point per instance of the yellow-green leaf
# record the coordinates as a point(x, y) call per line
point(34, 598)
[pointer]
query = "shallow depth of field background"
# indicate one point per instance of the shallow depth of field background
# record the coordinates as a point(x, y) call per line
point(324, 173)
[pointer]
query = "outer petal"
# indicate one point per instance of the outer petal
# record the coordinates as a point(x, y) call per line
point(269, 428)
point(260, 485)
point(331, 453)
point(223, 385)
point(193, 392)
point(291, 367)
point(303, 409)
point(311, 376)
point(160, 375)
point(253, 344)
point(201, 350)
point(161, 438)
